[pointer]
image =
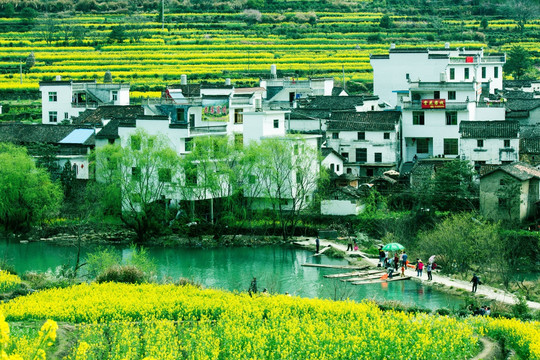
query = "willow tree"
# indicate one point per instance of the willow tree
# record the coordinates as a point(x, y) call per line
point(27, 194)
point(287, 169)
point(144, 171)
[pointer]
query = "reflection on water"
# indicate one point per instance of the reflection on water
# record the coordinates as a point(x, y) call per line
point(279, 269)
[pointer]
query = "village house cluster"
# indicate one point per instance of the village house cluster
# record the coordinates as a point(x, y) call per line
point(428, 107)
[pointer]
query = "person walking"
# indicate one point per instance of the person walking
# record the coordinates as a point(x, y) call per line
point(475, 281)
point(381, 257)
point(350, 244)
point(419, 268)
point(317, 244)
point(253, 286)
point(428, 269)
point(396, 261)
point(404, 258)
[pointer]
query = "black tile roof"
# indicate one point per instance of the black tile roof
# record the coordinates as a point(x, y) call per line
point(519, 170)
point(517, 114)
point(363, 121)
point(337, 102)
point(309, 114)
point(522, 104)
point(22, 134)
point(489, 129)
point(529, 142)
point(517, 94)
point(325, 151)
point(109, 112)
point(516, 83)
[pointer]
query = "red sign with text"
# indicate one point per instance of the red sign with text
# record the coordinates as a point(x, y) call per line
point(434, 104)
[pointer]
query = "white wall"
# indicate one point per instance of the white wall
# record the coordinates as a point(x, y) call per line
point(333, 159)
point(260, 124)
point(374, 143)
point(61, 105)
point(491, 151)
point(339, 207)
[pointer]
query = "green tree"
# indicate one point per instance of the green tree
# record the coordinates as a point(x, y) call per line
point(518, 62)
point(105, 194)
point(208, 174)
point(144, 171)
point(67, 178)
point(386, 22)
point(462, 242)
point(118, 34)
point(484, 23)
point(450, 189)
point(287, 168)
point(8, 11)
point(28, 16)
point(27, 194)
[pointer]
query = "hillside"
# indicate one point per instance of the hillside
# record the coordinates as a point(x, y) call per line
point(304, 39)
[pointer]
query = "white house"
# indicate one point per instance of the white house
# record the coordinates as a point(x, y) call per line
point(489, 142)
point(392, 72)
point(63, 100)
point(332, 160)
point(368, 140)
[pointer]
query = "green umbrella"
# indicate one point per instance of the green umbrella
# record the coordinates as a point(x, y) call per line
point(393, 247)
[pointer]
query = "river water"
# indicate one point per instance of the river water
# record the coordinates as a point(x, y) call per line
point(277, 268)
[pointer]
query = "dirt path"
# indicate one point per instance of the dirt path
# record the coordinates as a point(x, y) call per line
point(483, 290)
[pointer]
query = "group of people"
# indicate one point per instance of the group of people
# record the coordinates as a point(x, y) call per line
point(392, 264)
point(480, 311)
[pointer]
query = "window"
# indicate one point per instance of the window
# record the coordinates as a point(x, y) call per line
point(452, 73)
point(276, 124)
point(479, 143)
point(451, 118)
point(238, 116)
point(496, 72)
point(164, 175)
point(53, 96)
point(192, 120)
point(466, 73)
point(506, 143)
point(369, 172)
point(335, 135)
point(378, 157)
point(66, 116)
point(136, 173)
point(407, 76)
point(483, 72)
point(386, 136)
point(332, 167)
point(180, 117)
point(436, 94)
point(349, 171)
point(337, 167)
point(361, 135)
point(422, 146)
point(418, 118)
point(450, 146)
point(135, 142)
point(114, 95)
point(345, 155)
point(53, 116)
point(361, 155)
point(188, 144)
point(451, 95)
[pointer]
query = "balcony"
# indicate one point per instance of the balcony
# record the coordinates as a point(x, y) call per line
point(200, 130)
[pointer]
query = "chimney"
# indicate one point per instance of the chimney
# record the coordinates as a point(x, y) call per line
point(273, 71)
point(183, 79)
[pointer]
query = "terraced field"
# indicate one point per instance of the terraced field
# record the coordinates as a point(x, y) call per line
point(214, 46)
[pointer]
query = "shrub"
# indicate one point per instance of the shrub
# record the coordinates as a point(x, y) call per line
point(122, 273)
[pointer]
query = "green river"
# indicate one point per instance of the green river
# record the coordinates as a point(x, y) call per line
point(277, 268)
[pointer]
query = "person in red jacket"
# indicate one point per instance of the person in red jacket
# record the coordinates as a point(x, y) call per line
point(419, 267)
